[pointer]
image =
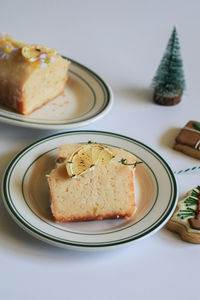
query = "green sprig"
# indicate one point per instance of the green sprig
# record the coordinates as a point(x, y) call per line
point(123, 161)
point(90, 142)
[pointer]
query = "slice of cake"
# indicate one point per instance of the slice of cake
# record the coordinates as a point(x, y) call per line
point(30, 75)
point(92, 181)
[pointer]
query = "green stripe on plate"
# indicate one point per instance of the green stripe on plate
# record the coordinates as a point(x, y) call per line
point(37, 232)
point(106, 100)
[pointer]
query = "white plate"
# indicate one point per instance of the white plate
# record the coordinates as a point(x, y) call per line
point(26, 194)
point(87, 98)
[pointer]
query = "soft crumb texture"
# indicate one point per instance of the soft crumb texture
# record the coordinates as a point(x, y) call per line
point(25, 87)
point(104, 191)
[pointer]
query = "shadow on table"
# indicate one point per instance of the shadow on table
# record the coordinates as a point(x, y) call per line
point(168, 138)
point(135, 93)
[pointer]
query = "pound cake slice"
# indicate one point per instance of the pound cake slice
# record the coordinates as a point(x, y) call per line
point(30, 75)
point(104, 190)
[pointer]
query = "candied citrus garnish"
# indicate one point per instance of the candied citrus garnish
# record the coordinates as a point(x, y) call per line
point(34, 52)
point(88, 156)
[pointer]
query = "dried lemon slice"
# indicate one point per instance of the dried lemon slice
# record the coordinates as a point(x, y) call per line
point(32, 53)
point(88, 156)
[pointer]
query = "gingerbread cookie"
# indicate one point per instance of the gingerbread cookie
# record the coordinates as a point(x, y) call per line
point(188, 140)
point(186, 219)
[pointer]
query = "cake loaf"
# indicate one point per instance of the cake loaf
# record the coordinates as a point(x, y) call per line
point(30, 75)
point(104, 190)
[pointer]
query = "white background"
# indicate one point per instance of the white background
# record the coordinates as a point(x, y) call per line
point(122, 41)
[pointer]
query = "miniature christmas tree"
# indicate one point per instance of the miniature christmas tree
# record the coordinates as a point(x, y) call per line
point(169, 81)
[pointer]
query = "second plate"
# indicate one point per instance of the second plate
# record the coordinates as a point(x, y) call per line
point(87, 98)
point(26, 194)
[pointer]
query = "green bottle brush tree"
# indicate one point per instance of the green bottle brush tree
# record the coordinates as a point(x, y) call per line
point(169, 82)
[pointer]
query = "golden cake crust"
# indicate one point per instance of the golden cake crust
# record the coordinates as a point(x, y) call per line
point(27, 85)
point(118, 180)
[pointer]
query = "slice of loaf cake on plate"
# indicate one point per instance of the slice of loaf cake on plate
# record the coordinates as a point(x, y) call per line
point(30, 75)
point(92, 182)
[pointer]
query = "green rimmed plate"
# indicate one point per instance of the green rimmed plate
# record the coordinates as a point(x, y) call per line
point(26, 196)
point(87, 98)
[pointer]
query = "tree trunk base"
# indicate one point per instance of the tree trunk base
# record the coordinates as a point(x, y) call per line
point(165, 100)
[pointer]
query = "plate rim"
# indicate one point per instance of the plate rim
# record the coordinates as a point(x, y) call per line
point(50, 126)
point(68, 244)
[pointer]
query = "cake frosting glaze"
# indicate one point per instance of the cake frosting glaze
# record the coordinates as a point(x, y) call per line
point(30, 75)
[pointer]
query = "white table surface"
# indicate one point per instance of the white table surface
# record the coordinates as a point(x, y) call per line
point(122, 41)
